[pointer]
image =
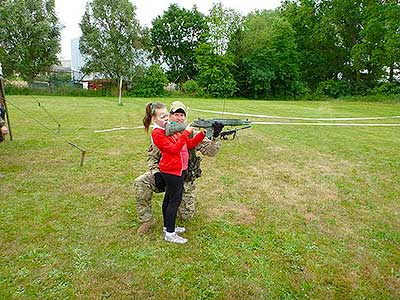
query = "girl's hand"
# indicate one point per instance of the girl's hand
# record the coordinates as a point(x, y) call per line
point(190, 129)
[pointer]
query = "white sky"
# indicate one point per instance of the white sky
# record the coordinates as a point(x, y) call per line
point(70, 13)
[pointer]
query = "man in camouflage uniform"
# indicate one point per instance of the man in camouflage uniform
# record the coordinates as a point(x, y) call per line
point(152, 181)
point(3, 127)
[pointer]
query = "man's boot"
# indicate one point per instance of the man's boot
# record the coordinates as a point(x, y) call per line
point(146, 226)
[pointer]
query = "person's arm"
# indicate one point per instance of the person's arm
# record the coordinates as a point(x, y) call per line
point(2, 112)
point(209, 147)
point(153, 158)
point(172, 128)
point(193, 142)
point(2, 116)
point(165, 145)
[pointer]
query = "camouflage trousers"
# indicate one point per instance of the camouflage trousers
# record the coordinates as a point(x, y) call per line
point(145, 186)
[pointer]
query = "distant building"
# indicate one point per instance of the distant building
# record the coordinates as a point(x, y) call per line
point(88, 81)
point(65, 66)
point(77, 60)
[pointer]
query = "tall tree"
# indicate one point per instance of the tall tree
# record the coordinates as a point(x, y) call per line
point(214, 63)
point(346, 18)
point(111, 38)
point(267, 57)
point(392, 37)
point(347, 39)
point(214, 71)
point(368, 54)
point(319, 55)
point(29, 37)
point(175, 36)
point(222, 23)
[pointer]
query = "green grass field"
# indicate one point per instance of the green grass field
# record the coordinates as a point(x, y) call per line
point(283, 212)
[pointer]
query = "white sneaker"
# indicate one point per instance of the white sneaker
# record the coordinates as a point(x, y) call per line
point(178, 229)
point(174, 238)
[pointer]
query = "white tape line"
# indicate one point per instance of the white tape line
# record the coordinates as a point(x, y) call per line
point(328, 124)
point(118, 128)
point(294, 118)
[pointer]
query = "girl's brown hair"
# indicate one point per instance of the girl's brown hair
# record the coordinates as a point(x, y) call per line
point(151, 112)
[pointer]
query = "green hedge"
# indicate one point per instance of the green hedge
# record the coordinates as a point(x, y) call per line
point(385, 92)
point(58, 91)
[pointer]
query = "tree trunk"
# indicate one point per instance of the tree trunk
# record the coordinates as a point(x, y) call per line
point(391, 73)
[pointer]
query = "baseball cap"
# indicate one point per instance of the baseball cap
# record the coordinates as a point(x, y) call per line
point(178, 106)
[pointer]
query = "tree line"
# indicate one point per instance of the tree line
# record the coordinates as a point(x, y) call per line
point(327, 47)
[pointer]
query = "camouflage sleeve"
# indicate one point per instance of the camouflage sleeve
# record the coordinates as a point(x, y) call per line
point(209, 147)
point(2, 116)
point(171, 129)
point(153, 158)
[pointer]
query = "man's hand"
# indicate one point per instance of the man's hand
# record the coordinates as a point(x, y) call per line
point(160, 183)
point(217, 128)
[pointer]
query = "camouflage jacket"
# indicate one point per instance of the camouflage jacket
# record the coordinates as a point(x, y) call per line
point(207, 147)
point(2, 116)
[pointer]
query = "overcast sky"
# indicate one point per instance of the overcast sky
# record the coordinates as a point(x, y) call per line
point(70, 13)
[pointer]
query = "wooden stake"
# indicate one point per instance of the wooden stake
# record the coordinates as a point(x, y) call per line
point(83, 153)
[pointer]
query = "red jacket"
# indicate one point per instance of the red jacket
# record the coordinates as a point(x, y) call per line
point(171, 146)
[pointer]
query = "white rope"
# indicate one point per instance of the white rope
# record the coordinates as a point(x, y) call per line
point(295, 118)
point(287, 123)
point(328, 124)
point(119, 128)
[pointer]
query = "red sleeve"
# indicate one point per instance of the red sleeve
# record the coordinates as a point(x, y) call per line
point(197, 139)
point(165, 145)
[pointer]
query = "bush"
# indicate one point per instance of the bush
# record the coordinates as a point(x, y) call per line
point(222, 88)
point(295, 90)
point(217, 82)
point(334, 88)
point(360, 88)
point(191, 87)
point(214, 72)
point(386, 88)
point(152, 83)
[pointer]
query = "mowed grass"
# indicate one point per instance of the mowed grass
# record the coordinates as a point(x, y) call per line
point(283, 212)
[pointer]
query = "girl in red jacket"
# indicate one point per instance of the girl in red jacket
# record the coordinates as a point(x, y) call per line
point(173, 164)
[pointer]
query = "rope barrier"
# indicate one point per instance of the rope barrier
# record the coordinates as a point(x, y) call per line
point(295, 118)
point(120, 128)
point(45, 110)
point(329, 124)
point(48, 113)
point(83, 151)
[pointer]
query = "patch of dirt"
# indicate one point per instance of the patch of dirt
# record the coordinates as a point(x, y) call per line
point(239, 212)
point(393, 283)
point(113, 152)
point(303, 184)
